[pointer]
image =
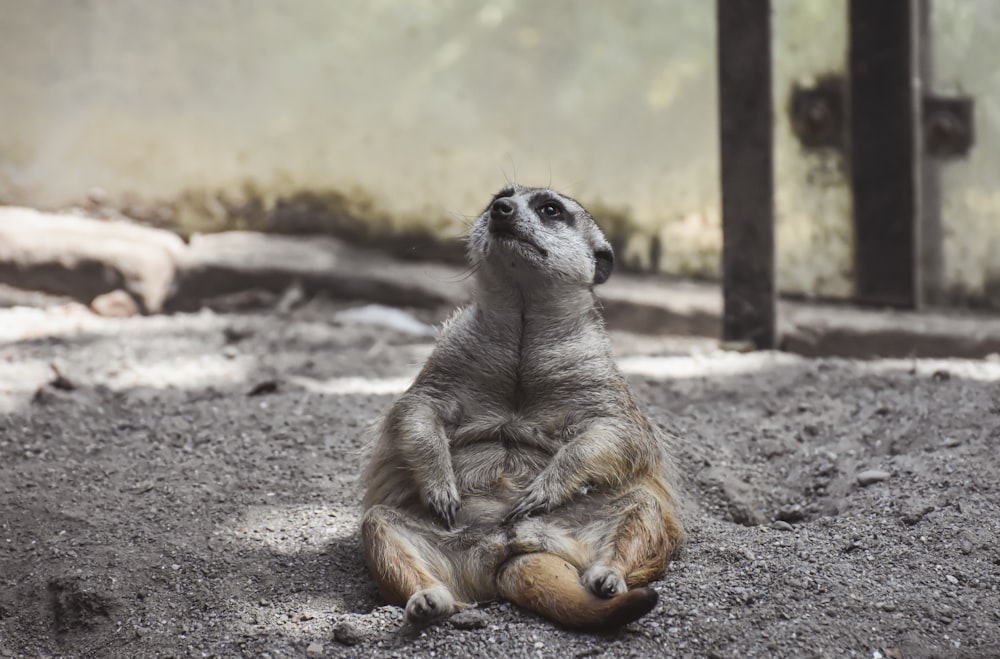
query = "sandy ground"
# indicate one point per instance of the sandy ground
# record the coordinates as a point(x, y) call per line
point(188, 486)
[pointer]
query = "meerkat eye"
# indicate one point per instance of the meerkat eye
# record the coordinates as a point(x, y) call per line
point(550, 209)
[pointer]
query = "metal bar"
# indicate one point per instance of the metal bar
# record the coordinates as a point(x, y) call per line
point(746, 117)
point(930, 231)
point(885, 113)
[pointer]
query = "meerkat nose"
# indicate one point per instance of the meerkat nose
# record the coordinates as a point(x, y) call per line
point(503, 215)
point(502, 209)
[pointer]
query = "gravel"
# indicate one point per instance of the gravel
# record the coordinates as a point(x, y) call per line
point(188, 485)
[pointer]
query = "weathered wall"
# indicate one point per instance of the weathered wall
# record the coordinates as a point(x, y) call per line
point(966, 33)
point(814, 232)
point(401, 113)
point(404, 115)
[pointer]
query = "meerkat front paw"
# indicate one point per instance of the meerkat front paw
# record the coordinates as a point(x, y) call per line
point(429, 604)
point(443, 501)
point(604, 581)
point(536, 499)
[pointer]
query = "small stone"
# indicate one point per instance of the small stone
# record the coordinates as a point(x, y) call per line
point(263, 387)
point(792, 513)
point(314, 650)
point(736, 346)
point(872, 476)
point(346, 633)
point(914, 513)
point(966, 547)
point(469, 619)
point(951, 578)
point(779, 525)
point(116, 304)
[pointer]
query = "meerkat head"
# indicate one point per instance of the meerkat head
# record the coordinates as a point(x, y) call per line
point(532, 233)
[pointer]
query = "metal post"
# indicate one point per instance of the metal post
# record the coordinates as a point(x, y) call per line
point(885, 115)
point(746, 119)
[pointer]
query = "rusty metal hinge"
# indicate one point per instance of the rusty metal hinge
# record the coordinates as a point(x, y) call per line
point(819, 119)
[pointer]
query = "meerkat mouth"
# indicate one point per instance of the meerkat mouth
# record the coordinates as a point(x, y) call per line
point(509, 236)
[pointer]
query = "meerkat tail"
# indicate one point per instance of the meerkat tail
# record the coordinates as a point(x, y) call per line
point(548, 585)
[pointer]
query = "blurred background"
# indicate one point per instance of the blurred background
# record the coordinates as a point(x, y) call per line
point(372, 120)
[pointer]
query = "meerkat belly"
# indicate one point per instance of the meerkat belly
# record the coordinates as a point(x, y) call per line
point(496, 458)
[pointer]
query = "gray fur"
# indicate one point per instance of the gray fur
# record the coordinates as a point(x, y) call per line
point(520, 431)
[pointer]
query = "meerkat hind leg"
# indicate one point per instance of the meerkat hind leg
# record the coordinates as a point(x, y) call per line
point(638, 548)
point(430, 604)
point(399, 556)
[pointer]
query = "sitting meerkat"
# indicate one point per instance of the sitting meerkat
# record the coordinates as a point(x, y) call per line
point(518, 465)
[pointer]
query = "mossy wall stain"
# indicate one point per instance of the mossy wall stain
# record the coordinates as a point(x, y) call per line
point(405, 116)
point(355, 216)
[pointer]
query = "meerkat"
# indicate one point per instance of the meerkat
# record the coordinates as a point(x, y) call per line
point(518, 466)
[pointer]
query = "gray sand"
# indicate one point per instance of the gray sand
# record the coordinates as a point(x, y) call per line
point(189, 486)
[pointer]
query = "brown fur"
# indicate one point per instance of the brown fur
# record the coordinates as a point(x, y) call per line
point(518, 465)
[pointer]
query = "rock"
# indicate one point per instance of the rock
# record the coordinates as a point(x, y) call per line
point(83, 258)
point(913, 513)
point(469, 619)
point(792, 513)
point(263, 387)
point(291, 298)
point(872, 476)
point(116, 304)
point(220, 264)
point(348, 634)
point(779, 525)
point(314, 649)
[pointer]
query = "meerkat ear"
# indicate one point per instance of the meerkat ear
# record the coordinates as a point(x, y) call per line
point(604, 262)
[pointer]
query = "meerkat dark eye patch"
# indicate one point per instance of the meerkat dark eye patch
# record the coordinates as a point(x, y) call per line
point(549, 209)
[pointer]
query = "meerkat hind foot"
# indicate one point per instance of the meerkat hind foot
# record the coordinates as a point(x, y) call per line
point(429, 604)
point(604, 581)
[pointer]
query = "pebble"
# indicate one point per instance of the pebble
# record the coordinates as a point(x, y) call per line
point(314, 650)
point(116, 304)
point(872, 476)
point(346, 633)
point(966, 547)
point(916, 512)
point(779, 525)
point(469, 619)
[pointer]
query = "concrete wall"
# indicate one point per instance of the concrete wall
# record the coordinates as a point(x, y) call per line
point(966, 33)
point(404, 113)
point(381, 116)
point(814, 231)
